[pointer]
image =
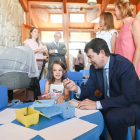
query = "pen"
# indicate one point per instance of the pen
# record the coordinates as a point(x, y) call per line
point(27, 112)
point(45, 94)
point(38, 101)
point(64, 75)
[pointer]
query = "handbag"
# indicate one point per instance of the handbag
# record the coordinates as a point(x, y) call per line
point(81, 65)
point(34, 85)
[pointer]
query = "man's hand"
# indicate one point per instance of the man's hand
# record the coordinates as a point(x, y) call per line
point(87, 104)
point(70, 85)
point(51, 51)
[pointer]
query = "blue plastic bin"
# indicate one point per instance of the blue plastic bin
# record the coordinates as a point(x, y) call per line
point(68, 110)
point(51, 111)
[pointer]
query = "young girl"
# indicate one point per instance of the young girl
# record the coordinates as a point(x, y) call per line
point(54, 85)
point(107, 32)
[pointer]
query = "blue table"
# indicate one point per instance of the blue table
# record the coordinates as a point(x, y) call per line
point(93, 134)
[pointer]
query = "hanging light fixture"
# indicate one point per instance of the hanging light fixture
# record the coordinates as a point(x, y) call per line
point(92, 2)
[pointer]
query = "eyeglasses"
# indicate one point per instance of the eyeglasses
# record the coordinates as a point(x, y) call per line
point(57, 36)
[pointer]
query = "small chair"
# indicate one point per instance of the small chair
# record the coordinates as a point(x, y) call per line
point(68, 72)
point(85, 72)
point(42, 85)
point(129, 136)
point(3, 96)
point(77, 77)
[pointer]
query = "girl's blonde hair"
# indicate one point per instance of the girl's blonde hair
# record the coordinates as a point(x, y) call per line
point(51, 77)
point(126, 8)
point(37, 40)
point(108, 20)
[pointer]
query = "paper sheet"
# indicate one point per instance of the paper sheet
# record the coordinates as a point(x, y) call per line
point(80, 113)
point(67, 130)
point(5, 117)
point(16, 132)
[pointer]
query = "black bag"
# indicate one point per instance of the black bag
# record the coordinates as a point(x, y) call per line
point(81, 65)
point(34, 84)
point(35, 87)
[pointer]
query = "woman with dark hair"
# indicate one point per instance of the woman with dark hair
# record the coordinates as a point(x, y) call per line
point(107, 32)
point(128, 41)
point(54, 86)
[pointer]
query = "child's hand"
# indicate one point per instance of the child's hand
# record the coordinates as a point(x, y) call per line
point(48, 97)
point(60, 99)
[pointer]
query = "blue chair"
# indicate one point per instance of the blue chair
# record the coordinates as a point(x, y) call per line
point(77, 77)
point(129, 136)
point(3, 96)
point(42, 85)
point(85, 72)
point(137, 133)
point(68, 72)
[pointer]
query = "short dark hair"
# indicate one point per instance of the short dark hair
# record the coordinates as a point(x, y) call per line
point(96, 45)
point(51, 77)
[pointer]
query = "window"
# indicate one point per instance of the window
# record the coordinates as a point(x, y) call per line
point(48, 36)
point(77, 18)
point(56, 18)
point(80, 36)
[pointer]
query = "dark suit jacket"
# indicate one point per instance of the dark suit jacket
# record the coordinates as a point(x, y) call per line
point(57, 56)
point(124, 86)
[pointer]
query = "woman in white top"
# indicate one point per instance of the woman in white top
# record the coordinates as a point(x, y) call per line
point(54, 85)
point(107, 32)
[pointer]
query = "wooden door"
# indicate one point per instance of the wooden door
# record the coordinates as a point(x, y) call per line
point(25, 29)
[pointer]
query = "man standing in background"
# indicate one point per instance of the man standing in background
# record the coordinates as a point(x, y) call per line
point(56, 50)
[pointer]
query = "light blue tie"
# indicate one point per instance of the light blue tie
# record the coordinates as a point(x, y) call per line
point(57, 44)
point(106, 84)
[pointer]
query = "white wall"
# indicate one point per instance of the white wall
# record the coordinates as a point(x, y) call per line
point(11, 17)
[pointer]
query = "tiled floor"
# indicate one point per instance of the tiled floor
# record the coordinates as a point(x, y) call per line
point(22, 96)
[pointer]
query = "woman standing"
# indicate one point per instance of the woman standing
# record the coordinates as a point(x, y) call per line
point(128, 42)
point(76, 64)
point(107, 32)
point(33, 43)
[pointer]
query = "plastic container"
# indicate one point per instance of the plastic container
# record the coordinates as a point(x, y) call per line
point(68, 110)
point(43, 103)
point(28, 119)
point(51, 111)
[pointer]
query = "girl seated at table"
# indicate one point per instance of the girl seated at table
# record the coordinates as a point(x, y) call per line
point(54, 85)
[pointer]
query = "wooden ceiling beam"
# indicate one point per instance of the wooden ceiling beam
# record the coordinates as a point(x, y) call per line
point(33, 20)
point(138, 7)
point(64, 6)
point(104, 5)
point(24, 4)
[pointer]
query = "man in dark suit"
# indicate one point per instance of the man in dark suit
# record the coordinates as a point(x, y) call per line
point(115, 77)
point(56, 50)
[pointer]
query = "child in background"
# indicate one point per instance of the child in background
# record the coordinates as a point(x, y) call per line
point(54, 85)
